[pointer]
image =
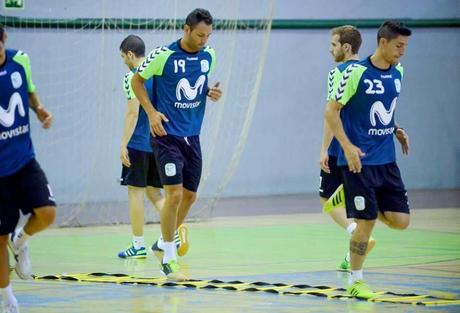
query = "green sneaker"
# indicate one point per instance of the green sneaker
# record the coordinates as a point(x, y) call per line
point(172, 271)
point(337, 200)
point(359, 289)
point(133, 253)
point(344, 266)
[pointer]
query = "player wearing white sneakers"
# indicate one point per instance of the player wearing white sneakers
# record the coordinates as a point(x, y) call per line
point(23, 184)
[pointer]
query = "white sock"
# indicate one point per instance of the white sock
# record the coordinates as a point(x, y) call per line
point(176, 240)
point(8, 296)
point(20, 238)
point(351, 228)
point(347, 258)
point(355, 275)
point(138, 242)
point(161, 243)
point(170, 251)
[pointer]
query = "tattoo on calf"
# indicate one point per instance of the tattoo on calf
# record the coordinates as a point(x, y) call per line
point(358, 248)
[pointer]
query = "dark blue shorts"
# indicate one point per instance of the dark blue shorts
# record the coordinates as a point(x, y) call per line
point(376, 188)
point(25, 190)
point(329, 182)
point(142, 172)
point(179, 160)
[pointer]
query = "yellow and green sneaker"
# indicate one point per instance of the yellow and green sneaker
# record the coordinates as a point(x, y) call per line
point(360, 289)
point(336, 200)
point(172, 271)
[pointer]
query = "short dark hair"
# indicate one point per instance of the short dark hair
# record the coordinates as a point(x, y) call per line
point(2, 30)
point(392, 29)
point(348, 34)
point(197, 16)
point(135, 44)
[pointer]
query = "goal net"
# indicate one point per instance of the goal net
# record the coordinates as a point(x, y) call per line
point(76, 66)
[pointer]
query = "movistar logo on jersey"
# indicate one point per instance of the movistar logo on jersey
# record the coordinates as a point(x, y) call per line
point(190, 92)
point(384, 116)
point(7, 116)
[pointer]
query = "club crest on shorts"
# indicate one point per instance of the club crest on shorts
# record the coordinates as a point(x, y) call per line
point(170, 169)
point(360, 203)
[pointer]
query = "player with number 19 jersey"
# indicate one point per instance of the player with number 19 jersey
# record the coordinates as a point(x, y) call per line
point(369, 96)
point(181, 86)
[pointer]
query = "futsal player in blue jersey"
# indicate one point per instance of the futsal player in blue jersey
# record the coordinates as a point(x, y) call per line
point(361, 117)
point(180, 73)
point(23, 184)
point(139, 171)
point(345, 43)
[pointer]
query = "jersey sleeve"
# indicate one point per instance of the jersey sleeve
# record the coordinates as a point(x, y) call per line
point(129, 93)
point(332, 80)
point(211, 52)
point(400, 68)
point(348, 84)
point(23, 59)
point(154, 63)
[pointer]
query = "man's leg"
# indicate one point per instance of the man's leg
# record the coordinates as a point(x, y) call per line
point(339, 215)
point(168, 219)
point(40, 219)
point(359, 242)
point(335, 205)
point(395, 220)
point(8, 298)
point(136, 216)
point(136, 210)
point(155, 197)
point(188, 198)
point(358, 249)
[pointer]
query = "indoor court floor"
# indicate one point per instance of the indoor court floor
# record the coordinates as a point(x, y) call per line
point(270, 247)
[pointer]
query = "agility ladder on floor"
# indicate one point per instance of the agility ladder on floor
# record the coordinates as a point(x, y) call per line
point(236, 285)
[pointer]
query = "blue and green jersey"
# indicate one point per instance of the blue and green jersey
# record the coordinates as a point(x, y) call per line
point(333, 79)
point(16, 148)
point(180, 86)
point(369, 96)
point(140, 139)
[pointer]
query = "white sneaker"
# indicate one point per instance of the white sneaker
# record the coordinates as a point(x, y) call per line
point(11, 308)
point(23, 266)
